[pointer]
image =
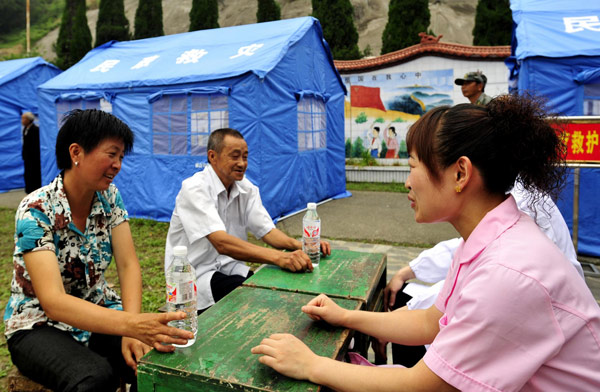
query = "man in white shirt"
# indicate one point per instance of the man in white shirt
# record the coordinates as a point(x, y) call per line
point(432, 265)
point(214, 211)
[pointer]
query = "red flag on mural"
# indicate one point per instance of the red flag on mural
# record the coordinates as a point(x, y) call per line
point(366, 97)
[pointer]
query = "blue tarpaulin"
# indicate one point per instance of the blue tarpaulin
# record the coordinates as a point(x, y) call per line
point(556, 54)
point(275, 82)
point(19, 80)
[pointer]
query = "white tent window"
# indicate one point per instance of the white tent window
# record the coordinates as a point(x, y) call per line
point(312, 124)
point(63, 107)
point(181, 124)
point(591, 100)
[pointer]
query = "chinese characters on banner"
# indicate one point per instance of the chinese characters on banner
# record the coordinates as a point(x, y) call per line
point(581, 140)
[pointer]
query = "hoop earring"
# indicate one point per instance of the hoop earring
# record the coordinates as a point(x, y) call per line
point(458, 189)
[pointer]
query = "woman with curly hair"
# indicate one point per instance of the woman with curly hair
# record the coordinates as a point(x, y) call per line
point(513, 313)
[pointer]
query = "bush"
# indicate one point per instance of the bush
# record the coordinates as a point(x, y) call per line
point(338, 27)
point(112, 23)
point(148, 19)
point(406, 19)
point(493, 23)
point(74, 37)
point(268, 10)
point(204, 15)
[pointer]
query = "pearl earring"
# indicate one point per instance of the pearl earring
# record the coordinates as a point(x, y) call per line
point(76, 163)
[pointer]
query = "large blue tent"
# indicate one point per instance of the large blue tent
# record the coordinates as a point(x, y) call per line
point(275, 82)
point(556, 54)
point(19, 80)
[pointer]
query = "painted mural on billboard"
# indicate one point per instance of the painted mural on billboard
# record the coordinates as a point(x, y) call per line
point(380, 108)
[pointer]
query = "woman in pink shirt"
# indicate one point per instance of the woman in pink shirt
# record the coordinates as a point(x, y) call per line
point(513, 314)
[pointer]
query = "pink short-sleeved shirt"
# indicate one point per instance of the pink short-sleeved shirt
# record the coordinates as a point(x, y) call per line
point(517, 316)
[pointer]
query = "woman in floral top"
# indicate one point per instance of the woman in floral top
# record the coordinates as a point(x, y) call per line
point(65, 326)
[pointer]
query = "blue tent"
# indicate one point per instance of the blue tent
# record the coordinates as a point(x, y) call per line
point(275, 82)
point(19, 80)
point(556, 53)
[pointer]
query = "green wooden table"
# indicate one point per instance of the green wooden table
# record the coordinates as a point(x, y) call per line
point(343, 274)
point(220, 359)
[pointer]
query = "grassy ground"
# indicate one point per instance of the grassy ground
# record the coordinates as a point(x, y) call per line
point(377, 186)
point(7, 225)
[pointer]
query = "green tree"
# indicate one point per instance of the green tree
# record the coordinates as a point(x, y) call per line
point(348, 147)
point(44, 16)
point(268, 10)
point(149, 19)
point(402, 150)
point(204, 15)
point(74, 37)
point(338, 27)
point(361, 118)
point(112, 23)
point(493, 23)
point(406, 19)
point(357, 148)
point(13, 15)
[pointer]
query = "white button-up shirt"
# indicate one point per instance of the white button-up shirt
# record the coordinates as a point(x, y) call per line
point(203, 207)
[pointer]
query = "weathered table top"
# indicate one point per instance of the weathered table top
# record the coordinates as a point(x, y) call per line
point(220, 359)
point(343, 274)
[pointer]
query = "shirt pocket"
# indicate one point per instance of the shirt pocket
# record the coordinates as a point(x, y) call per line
point(443, 322)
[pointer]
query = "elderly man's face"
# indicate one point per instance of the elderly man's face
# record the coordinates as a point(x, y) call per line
point(231, 163)
point(25, 121)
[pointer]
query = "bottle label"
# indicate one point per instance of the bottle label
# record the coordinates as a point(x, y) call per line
point(180, 293)
point(312, 231)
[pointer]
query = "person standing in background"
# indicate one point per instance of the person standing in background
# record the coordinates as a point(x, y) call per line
point(473, 87)
point(31, 153)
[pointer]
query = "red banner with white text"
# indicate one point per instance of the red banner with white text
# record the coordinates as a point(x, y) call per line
point(581, 138)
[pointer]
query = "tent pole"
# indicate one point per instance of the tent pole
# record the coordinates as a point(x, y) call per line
point(575, 207)
point(27, 26)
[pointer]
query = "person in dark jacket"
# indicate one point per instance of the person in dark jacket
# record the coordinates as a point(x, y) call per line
point(31, 153)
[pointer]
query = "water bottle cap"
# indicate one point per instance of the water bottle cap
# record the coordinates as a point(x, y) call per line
point(311, 206)
point(180, 250)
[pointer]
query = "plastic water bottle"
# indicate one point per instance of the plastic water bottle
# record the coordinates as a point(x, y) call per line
point(181, 292)
point(311, 234)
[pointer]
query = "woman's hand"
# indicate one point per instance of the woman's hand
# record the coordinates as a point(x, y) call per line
point(133, 350)
point(152, 329)
point(287, 354)
point(323, 308)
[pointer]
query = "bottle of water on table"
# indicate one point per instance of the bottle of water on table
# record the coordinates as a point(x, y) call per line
point(181, 292)
point(311, 234)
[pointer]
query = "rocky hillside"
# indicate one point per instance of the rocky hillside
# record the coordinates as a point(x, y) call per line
point(454, 19)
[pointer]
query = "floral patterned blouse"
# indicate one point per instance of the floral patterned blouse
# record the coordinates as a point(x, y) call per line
point(43, 222)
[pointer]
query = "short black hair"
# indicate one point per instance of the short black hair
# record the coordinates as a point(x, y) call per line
point(215, 140)
point(88, 128)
